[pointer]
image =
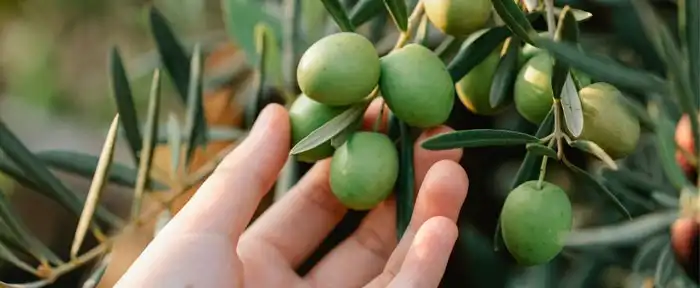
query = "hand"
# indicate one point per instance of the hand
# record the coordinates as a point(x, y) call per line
point(207, 244)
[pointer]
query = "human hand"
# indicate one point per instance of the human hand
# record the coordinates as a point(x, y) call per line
point(208, 243)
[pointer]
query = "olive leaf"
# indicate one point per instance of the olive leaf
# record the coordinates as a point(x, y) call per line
point(646, 250)
point(629, 233)
point(664, 199)
point(98, 272)
point(405, 186)
point(529, 168)
point(637, 180)
point(472, 54)
point(477, 138)
point(365, 10)
point(595, 150)
point(263, 49)
point(666, 146)
point(567, 31)
point(639, 111)
point(399, 13)
point(541, 150)
point(174, 144)
point(692, 35)
point(664, 264)
point(600, 188)
point(501, 91)
point(336, 10)
point(125, 102)
point(571, 105)
point(629, 194)
point(7, 255)
point(579, 15)
point(601, 68)
point(515, 19)
point(195, 106)
point(330, 129)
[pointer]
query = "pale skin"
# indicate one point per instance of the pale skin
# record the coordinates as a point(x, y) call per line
point(207, 243)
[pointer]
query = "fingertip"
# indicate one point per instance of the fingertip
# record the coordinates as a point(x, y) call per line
point(452, 154)
point(445, 230)
point(446, 169)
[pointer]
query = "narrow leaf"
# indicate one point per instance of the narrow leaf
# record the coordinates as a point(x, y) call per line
point(399, 12)
point(579, 15)
point(194, 104)
point(146, 156)
point(638, 180)
point(339, 140)
point(601, 68)
point(7, 255)
point(666, 146)
point(692, 26)
point(98, 272)
point(541, 150)
point(125, 103)
point(11, 170)
point(515, 19)
point(98, 183)
point(567, 31)
point(629, 233)
point(529, 169)
point(501, 91)
point(261, 48)
point(330, 129)
point(477, 138)
point(639, 111)
point(364, 11)
point(174, 144)
point(665, 199)
point(335, 8)
point(471, 54)
point(571, 105)
point(662, 265)
point(595, 150)
point(646, 251)
point(405, 190)
point(599, 187)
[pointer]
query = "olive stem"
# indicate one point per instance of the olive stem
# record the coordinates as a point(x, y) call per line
point(557, 128)
point(413, 21)
point(551, 24)
point(380, 116)
point(543, 167)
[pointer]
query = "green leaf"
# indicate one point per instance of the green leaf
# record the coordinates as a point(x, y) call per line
point(399, 13)
point(601, 68)
point(666, 146)
point(541, 150)
point(98, 272)
point(629, 233)
point(600, 188)
point(567, 31)
point(639, 111)
point(174, 144)
point(692, 18)
point(11, 170)
point(629, 194)
point(364, 11)
point(595, 150)
point(125, 103)
point(96, 187)
point(664, 264)
point(330, 129)
point(405, 186)
point(471, 54)
point(515, 19)
point(336, 10)
point(194, 105)
point(530, 167)
point(477, 138)
point(664, 199)
point(579, 15)
point(34, 169)
point(637, 180)
point(263, 49)
point(7, 255)
point(571, 105)
point(646, 251)
point(149, 141)
point(501, 91)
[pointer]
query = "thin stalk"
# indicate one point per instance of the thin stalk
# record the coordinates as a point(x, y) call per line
point(551, 24)
point(380, 116)
point(543, 167)
point(413, 22)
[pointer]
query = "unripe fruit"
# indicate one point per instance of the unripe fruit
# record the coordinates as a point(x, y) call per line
point(684, 138)
point(340, 69)
point(307, 115)
point(364, 170)
point(535, 222)
point(533, 88)
point(416, 86)
point(607, 121)
point(458, 17)
point(474, 89)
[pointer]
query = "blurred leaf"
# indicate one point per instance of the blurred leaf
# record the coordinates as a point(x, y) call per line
point(399, 13)
point(405, 186)
point(646, 250)
point(637, 180)
point(664, 199)
point(501, 91)
point(666, 146)
point(98, 272)
point(601, 68)
point(194, 105)
point(34, 169)
point(23, 235)
point(151, 132)
point(163, 219)
point(530, 167)
point(629, 233)
point(11, 170)
point(289, 176)
point(477, 138)
point(339, 140)
point(262, 49)
point(640, 112)
point(628, 193)
point(664, 264)
point(515, 19)
point(472, 54)
point(330, 129)
point(364, 11)
point(567, 31)
point(423, 31)
point(579, 15)
point(595, 150)
point(692, 18)
point(214, 133)
point(336, 10)
point(541, 150)
point(600, 188)
point(125, 103)
point(571, 105)
point(7, 255)
point(98, 183)
point(174, 144)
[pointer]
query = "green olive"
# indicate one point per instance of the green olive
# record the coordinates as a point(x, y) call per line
point(532, 93)
point(474, 89)
point(339, 69)
point(607, 121)
point(416, 86)
point(307, 115)
point(364, 170)
point(458, 17)
point(535, 222)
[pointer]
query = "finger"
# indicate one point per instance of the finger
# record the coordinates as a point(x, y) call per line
point(442, 194)
point(424, 159)
point(292, 228)
point(427, 257)
point(360, 258)
point(226, 201)
point(372, 113)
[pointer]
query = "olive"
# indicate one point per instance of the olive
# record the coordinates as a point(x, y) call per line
point(532, 93)
point(458, 17)
point(474, 89)
point(307, 115)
